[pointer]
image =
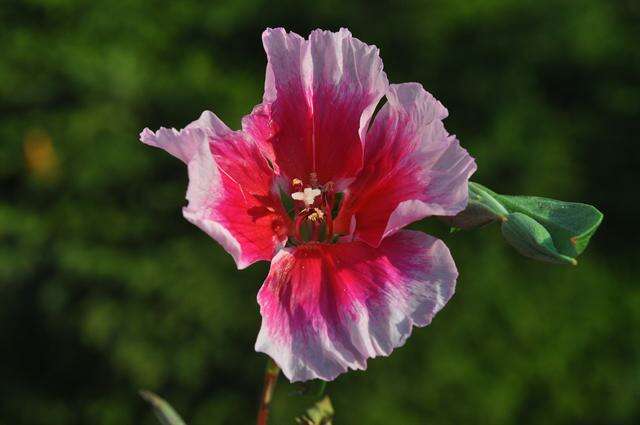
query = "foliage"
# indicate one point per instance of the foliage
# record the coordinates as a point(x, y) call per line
point(320, 413)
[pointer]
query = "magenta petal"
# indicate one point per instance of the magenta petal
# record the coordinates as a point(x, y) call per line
point(231, 188)
point(328, 308)
point(413, 167)
point(320, 94)
point(231, 197)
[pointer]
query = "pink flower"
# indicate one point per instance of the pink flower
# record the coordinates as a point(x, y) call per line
point(346, 282)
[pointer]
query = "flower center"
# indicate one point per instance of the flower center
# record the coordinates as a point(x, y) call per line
point(313, 210)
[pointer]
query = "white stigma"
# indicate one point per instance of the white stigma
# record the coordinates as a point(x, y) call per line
point(307, 196)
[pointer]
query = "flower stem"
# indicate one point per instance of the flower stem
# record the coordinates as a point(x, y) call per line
point(270, 379)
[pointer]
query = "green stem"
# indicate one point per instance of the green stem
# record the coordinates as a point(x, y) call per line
point(479, 193)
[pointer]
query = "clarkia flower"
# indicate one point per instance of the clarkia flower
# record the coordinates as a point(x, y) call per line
point(320, 187)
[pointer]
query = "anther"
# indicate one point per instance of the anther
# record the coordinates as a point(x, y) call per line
point(316, 215)
point(296, 185)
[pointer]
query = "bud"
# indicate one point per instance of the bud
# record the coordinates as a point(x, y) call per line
point(532, 240)
point(539, 228)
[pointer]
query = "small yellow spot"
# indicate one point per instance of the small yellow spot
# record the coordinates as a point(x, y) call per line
point(316, 215)
point(40, 155)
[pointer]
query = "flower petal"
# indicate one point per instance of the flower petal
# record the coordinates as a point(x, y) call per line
point(320, 95)
point(413, 168)
point(259, 127)
point(231, 188)
point(183, 144)
point(231, 194)
point(328, 308)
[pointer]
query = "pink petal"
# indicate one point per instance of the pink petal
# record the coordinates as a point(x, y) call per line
point(183, 144)
point(320, 94)
point(231, 189)
point(328, 308)
point(259, 127)
point(413, 168)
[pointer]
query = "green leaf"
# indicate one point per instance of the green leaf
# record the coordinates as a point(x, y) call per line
point(163, 410)
point(320, 413)
point(569, 225)
point(532, 240)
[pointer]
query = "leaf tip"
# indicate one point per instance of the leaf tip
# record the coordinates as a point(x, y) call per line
point(163, 410)
point(146, 395)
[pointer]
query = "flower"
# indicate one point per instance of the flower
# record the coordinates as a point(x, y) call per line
point(346, 283)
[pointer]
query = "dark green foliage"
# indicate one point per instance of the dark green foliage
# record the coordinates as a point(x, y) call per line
point(105, 289)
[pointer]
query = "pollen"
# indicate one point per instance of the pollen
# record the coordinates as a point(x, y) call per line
point(316, 215)
point(307, 196)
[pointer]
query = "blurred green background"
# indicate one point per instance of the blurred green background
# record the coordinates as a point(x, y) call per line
point(106, 289)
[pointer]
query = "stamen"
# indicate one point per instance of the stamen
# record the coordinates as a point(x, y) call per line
point(296, 184)
point(313, 209)
point(316, 215)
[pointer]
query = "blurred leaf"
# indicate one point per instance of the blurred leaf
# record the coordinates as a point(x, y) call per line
point(163, 410)
point(320, 413)
point(539, 228)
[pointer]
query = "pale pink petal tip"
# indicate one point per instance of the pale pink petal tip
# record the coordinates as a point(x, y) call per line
point(328, 308)
point(183, 144)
